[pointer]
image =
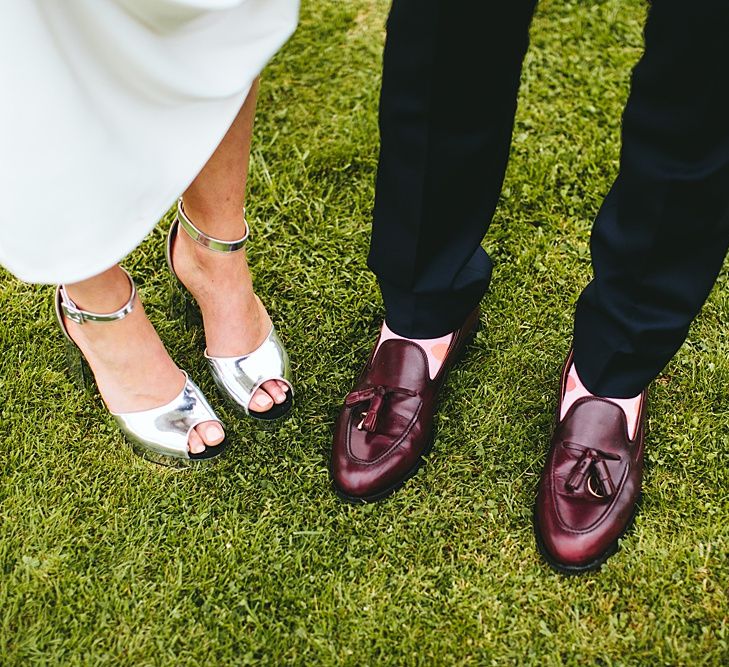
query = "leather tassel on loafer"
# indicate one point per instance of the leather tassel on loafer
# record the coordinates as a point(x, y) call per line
point(161, 434)
point(238, 378)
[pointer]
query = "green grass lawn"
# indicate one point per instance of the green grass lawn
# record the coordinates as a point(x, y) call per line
point(106, 559)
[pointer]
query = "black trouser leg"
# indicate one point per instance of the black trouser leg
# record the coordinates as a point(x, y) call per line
point(450, 81)
point(661, 236)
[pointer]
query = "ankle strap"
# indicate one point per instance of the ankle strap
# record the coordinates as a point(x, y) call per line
point(76, 314)
point(208, 241)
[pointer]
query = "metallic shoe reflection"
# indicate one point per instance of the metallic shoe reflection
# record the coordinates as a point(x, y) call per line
point(161, 434)
point(238, 378)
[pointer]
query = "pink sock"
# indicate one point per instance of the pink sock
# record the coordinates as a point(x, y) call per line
point(434, 348)
point(575, 390)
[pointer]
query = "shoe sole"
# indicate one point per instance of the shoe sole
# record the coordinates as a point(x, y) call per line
point(211, 456)
point(381, 495)
point(589, 567)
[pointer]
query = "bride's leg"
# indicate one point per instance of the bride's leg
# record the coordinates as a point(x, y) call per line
point(236, 322)
point(132, 368)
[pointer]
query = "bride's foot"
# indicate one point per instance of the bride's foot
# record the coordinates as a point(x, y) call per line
point(132, 368)
point(236, 322)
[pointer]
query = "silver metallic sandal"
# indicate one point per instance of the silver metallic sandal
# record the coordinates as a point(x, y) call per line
point(238, 378)
point(161, 434)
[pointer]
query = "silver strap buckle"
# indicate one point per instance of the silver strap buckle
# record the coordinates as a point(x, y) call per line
point(79, 316)
point(208, 241)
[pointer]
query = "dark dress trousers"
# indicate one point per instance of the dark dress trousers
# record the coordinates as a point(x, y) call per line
point(450, 82)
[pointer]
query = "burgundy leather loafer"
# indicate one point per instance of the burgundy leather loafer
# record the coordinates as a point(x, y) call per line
point(590, 483)
point(386, 425)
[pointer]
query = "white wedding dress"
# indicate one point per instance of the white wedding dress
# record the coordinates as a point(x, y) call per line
point(108, 110)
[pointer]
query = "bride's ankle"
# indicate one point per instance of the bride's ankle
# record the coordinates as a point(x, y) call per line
point(196, 265)
point(221, 220)
point(104, 293)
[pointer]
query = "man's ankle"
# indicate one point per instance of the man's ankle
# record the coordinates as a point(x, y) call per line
point(575, 390)
point(435, 348)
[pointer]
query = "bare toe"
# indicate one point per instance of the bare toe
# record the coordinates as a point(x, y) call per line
point(211, 433)
point(273, 389)
point(195, 443)
point(261, 401)
point(283, 386)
